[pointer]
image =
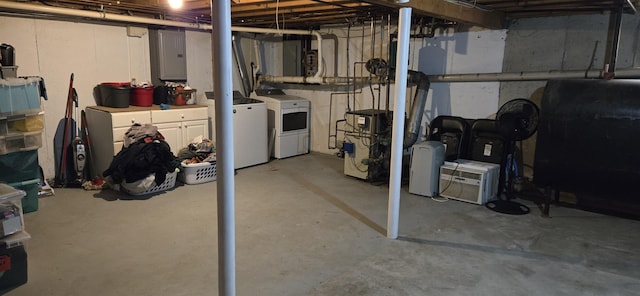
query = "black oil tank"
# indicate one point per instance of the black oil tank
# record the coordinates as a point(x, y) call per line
point(7, 55)
point(587, 138)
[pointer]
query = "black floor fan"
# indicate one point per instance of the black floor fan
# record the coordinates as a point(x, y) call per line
point(517, 120)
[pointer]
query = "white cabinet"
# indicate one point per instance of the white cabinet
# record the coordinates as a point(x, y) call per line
point(107, 127)
point(180, 126)
point(172, 133)
point(194, 128)
point(107, 131)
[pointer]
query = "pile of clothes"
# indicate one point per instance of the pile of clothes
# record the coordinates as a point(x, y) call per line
point(199, 150)
point(144, 161)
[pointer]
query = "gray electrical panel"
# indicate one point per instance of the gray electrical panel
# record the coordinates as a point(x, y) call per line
point(168, 56)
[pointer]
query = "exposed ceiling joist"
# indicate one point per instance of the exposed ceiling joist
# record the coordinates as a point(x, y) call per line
point(450, 11)
point(308, 14)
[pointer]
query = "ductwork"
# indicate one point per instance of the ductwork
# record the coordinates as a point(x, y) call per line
point(417, 107)
point(242, 66)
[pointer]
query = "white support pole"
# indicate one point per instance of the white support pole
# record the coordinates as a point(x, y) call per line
point(397, 135)
point(223, 90)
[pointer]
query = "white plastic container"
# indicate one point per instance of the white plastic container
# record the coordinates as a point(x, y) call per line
point(11, 218)
point(197, 173)
point(169, 182)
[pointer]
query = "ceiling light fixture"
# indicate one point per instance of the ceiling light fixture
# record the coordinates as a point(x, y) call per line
point(175, 4)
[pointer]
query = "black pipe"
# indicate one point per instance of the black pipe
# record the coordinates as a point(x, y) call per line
point(617, 28)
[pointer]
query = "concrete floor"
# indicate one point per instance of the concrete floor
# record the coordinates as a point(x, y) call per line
point(304, 228)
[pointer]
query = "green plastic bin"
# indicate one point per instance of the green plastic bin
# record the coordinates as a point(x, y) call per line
point(29, 201)
point(19, 166)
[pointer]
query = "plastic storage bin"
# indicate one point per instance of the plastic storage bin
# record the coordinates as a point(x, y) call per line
point(141, 96)
point(29, 202)
point(169, 182)
point(197, 173)
point(9, 71)
point(25, 123)
point(14, 240)
point(13, 257)
point(20, 142)
point(13, 267)
point(19, 166)
point(19, 96)
point(115, 94)
point(11, 219)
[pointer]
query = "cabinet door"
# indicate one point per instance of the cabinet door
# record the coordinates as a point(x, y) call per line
point(172, 133)
point(194, 128)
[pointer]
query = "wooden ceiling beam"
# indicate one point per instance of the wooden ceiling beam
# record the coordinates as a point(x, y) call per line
point(261, 4)
point(310, 21)
point(293, 4)
point(450, 11)
point(490, 14)
point(297, 9)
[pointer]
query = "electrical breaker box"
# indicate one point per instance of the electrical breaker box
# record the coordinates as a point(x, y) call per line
point(168, 53)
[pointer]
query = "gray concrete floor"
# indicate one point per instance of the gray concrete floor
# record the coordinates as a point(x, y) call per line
point(304, 228)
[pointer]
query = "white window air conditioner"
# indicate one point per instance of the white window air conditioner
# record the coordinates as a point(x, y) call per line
point(470, 181)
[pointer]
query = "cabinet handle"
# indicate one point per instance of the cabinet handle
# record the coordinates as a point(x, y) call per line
point(133, 120)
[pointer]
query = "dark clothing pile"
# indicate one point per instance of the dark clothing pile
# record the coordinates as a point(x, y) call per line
point(146, 156)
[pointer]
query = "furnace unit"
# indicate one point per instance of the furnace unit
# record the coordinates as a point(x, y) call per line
point(365, 146)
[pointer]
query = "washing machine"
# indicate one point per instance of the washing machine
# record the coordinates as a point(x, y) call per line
point(250, 140)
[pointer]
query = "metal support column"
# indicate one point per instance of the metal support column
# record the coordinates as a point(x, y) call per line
point(397, 135)
point(223, 89)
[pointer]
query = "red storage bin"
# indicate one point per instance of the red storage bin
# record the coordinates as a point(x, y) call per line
point(141, 96)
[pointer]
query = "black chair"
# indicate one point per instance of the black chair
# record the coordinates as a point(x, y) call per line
point(490, 144)
point(453, 132)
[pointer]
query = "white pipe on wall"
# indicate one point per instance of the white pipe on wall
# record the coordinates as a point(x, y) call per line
point(313, 80)
point(149, 21)
point(289, 32)
point(397, 134)
point(532, 76)
point(97, 15)
point(475, 77)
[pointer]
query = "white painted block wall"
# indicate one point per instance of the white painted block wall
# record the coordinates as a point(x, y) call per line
point(98, 53)
point(55, 49)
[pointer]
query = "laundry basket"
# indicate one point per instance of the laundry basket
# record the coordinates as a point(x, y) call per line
point(169, 182)
point(197, 173)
